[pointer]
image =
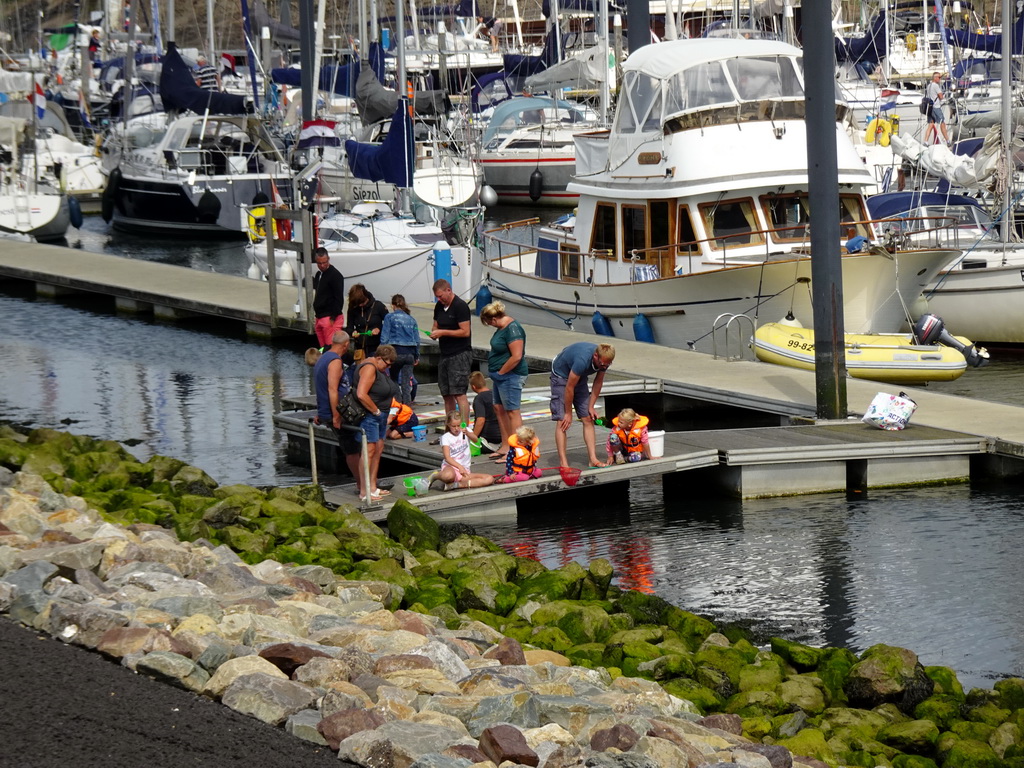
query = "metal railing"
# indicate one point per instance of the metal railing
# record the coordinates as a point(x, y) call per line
point(732, 318)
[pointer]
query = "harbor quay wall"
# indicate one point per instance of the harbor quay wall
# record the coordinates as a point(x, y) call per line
point(431, 645)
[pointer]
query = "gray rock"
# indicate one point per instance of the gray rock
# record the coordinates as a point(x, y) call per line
point(779, 757)
point(304, 724)
point(90, 581)
point(626, 760)
point(82, 624)
point(188, 605)
point(214, 655)
point(324, 621)
point(334, 728)
point(323, 577)
point(268, 698)
point(520, 709)
point(68, 590)
point(447, 661)
point(32, 577)
point(793, 725)
point(229, 579)
point(86, 554)
point(25, 607)
point(10, 559)
point(7, 593)
point(173, 668)
point(563, 710)
point(434, 760)
point(6, 477)
point(400, 742)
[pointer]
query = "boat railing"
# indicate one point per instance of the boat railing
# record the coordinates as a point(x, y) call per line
point(750, 246)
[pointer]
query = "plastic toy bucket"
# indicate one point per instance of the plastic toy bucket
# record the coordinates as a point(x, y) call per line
point(474, 448)
point(410, 485)
point(656, 442)
point(419, 434)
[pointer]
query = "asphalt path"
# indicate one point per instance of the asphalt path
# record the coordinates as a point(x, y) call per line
point(63, 706)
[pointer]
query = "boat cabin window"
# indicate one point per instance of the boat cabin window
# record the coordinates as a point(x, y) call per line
point(624, 120)
point(602, 243)
point(698, 87)
point(687, 237)
point(731, 223)
point(634, 230)
point(788, 215)
point(770, 77)
point(570, 262)
point(644, 95)
point(851, 209)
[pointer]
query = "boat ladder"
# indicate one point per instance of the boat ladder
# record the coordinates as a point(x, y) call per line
point(22, 212)
point(729, 322)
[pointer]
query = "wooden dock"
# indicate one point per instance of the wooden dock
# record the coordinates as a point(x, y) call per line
point(773, 444)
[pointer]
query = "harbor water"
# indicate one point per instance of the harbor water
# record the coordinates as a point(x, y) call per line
point(931, 569)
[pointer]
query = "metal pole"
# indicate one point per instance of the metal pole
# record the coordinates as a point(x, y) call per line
point(823, 186)
point(307, 43)
point(1006, 227)
point(272, 271)
point(312, 452)
point(639, 33)
point(366, 471)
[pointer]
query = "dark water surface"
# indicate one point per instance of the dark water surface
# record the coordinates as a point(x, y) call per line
point(936, 570)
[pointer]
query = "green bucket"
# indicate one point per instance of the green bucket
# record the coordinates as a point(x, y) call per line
point(475, 449)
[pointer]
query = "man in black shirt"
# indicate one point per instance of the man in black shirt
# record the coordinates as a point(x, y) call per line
point(328, 299)
point(452, 332)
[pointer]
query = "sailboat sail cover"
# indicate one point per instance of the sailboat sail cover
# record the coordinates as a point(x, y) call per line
point(376, 102)
point(340, 80)
point(988, 43)
point(389, 161)
point(178, 90)
point(869, 49)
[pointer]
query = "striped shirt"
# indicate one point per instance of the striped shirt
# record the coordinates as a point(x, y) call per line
point(207, 77)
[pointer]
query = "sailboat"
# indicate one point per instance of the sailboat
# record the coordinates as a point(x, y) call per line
point(28, 207)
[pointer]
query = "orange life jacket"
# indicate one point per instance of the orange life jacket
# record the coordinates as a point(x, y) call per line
point(631, 439)
point(524, 458)
point(403, 414)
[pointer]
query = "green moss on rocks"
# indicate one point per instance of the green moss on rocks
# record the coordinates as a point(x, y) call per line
point(810, 742)
point(801, 656)
point(412, 528)
point(941, 709)
point(559, 584)
point(945, 681)
point(918, 737)
point(705, 699)
point(968, 753)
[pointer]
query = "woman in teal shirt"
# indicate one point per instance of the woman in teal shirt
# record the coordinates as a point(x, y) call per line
point(506, 365)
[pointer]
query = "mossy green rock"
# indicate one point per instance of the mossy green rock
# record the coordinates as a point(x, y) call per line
point(280, 506)
point(761, 676)
point(1005, 738)
point(968, 753)
point(367, 546)
point(430, 591)
point(854, 758)
point(558, 584)
point(916, 736)
point(801, 656)
point(913, 761)
point(86, 466)
point(474, 588)
point(599, 577)
point(581, 623)
point(412, 528)
point(800, 692)
point(861, 721)
point(300, 494)
point(191, 479)
point(281, 527)
point(703, 698)
point(551, 639)
point(239, 489)
point(728, 660)
point(1010, 693)
point(292, 554)
point(810, 742)
point(12, 453)
point(466, 545)
point(833, 669)
point(643, 608)
point(653, 635)
point(527, 567)
point(242, 540)
point(232, 510)
point(946, 681)
point(447, 614)
point(755, 704)
point(43, 461)
point(692, 629)
point(756, 728)
point(485, 617)
point(714, 679)
point(970, 730)
point(641, 651)
point(941, 709)
point(387, 569)
point(586, 654)
point(987, 713)
point(164, 467)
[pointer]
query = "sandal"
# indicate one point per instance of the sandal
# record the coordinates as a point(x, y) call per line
point(496, 455)
point(379, 494)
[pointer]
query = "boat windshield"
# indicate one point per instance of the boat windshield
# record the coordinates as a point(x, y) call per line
point(737, 80)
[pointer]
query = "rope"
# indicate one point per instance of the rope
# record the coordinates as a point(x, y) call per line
point(567, 320)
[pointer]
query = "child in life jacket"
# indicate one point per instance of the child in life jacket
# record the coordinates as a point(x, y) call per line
point(401, 421)
point(455, 470)
point(522, 458)
point(628, 442)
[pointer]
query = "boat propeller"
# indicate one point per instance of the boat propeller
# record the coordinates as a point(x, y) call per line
point(929, 329)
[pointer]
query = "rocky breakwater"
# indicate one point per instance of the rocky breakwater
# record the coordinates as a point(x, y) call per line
point(433, 647)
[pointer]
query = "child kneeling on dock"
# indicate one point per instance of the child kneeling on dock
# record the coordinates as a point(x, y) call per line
point(455, 470)
point(522, 458)
point(628, 441)
point(402, 420)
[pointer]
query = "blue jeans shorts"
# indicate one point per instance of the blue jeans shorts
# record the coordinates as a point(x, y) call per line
point(375, 427)
point(508, 390)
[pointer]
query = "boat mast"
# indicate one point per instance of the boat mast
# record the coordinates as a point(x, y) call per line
point(405, 206)
point(602, 16)
point(209, 31)
point(1007, 123)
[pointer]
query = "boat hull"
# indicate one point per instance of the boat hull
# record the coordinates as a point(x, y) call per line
point(683, 309)
point(42, 217)
point(509, 177)
point(892, 358)
point(985, 304)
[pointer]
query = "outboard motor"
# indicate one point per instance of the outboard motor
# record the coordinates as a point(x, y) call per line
point(929, 329)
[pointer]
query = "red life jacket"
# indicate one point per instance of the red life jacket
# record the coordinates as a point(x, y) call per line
point(403, 414)
point(631, 439)
point(524, 458)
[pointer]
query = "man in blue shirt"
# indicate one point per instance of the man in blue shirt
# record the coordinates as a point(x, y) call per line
point(570, 372)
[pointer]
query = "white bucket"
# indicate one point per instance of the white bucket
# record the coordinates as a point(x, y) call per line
point(656, 442)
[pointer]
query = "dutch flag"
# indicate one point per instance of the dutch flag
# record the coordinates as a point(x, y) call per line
point(39, 99)
point(888, 100)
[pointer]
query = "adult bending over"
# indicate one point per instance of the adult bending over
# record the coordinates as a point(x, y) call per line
point(506, 365)
point(375, 390)
point(570, 372)
point(401, 332)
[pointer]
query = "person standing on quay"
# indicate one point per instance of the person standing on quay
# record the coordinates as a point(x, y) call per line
point(454, 338)
point(570, 372)
point(331, 386)
point(401, 332)
point(328, 298)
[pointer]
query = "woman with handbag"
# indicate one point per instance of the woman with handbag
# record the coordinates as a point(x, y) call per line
point(365, 319)
point(374, 391)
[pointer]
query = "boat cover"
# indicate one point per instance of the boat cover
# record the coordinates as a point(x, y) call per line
point(178, 90)
point(890, 204)
point(376, 102)
point(392, 159)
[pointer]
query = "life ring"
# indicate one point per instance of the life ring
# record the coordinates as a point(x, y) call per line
point(257, 224)
point(911, 41)
point(879, 130)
